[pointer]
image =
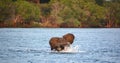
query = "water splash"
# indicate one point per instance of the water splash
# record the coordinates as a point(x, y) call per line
point(72, 49)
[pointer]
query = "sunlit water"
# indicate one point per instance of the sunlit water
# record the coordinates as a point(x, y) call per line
point(31, 45)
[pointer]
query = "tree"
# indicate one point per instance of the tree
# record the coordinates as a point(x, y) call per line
point(18, 12)
point(27, 10)
point(112, 13)
point(6, 12)
point(96, 14)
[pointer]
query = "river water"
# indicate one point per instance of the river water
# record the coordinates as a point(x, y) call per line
point(31, 45)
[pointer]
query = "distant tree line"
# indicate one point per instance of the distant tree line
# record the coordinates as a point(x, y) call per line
point(60, 13)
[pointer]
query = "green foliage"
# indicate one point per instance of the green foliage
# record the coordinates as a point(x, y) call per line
point(116, 7)
point(5, 9)
point(113, 13)
point(99, 2)
point(45, 10)
point(80, 11)
point(16, 12)
point(27, 10)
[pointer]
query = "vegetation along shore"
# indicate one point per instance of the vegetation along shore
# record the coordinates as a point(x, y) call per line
point(60, 13)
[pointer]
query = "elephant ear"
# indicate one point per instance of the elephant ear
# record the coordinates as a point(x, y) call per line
point(69, 37)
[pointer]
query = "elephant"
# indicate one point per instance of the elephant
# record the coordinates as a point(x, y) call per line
point(59, 43)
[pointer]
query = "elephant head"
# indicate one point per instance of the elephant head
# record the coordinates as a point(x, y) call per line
point(69, 38)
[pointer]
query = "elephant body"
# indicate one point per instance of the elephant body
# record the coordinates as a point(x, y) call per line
point(59, 43)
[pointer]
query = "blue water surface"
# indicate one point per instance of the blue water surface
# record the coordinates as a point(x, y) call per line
point(31, 45)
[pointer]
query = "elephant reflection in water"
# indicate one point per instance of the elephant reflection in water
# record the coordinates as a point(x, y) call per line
point(59, 43)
